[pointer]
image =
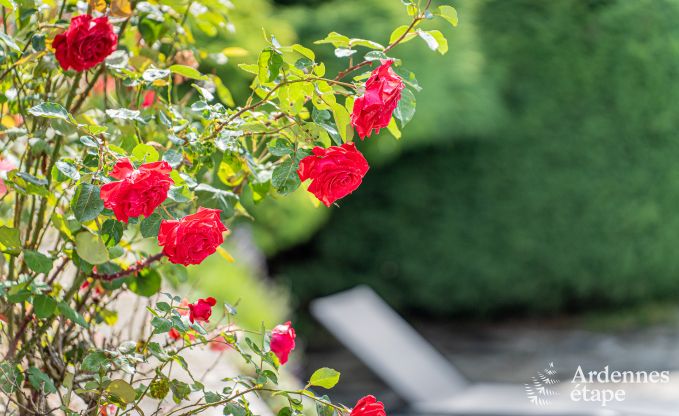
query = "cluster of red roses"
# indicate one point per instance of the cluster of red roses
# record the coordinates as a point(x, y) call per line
point(337, 171)
point(186, 241)
point(334, 173)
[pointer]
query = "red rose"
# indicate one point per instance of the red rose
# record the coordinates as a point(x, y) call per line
point(283, 341)
point(175, 335)
point(191, 239)
point(139, 192)
point(201, 310)
point(368, 406)
point(219, 344)
point(335, 172)
point(373, 109)
point(149, 99)
point(86, 43)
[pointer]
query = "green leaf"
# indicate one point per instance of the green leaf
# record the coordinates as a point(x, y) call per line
point(405, 110)
point(284, 177)
point(343, 122)
point(149, 226)
point(38, 262)
point(71, 314)
point(94, 361)
point(449, 13)
point(51, 110)
point(7, 40)
point(91, 248)
point(337, 40)
point(154, 74)
point(398, 32)
point(44, 306)
point(68, 169)
point(124, 114)
point(7, 3)
point(40, 381)
point(435, 40)
point(122, 390)
point(145, 153)
point(324, 377)
point(269, 64)
point(11, 378)
point(180, 390)
point(37, 41)
point(111, 232)
point(147, 283)
point(187, 72)
point(10, 240)
point(87, 204)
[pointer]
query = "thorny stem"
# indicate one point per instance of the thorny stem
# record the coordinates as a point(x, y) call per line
point(134, 269)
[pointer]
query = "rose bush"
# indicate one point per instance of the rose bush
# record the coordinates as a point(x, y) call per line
point(121, 164)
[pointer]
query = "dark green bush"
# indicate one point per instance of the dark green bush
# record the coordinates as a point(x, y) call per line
point(573, 204)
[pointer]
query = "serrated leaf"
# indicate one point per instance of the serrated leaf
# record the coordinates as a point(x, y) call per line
point(284, 177)
point(87, 203)
point(149, 226)
point(154, 74)
point(324, 377)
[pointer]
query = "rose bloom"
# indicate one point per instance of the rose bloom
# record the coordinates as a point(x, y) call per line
point(139, 192)
point(191, 239)
point(175, 335)
point(368, 406)
point(183, 309)
point(5, 166)
point(201, 310)
point(219, 344)
point(283, 341)
point(149, 99)
point(335, 172)
point(86, 43)
point(373, 110)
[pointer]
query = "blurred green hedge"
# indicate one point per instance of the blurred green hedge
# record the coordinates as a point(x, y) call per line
point(569, 202)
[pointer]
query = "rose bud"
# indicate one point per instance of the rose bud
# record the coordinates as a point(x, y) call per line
point(282, 341)
point(191, 239)
point(201, 310)
point(86, 43)
point(335, 172)
point(138, 192)
point(373, 110)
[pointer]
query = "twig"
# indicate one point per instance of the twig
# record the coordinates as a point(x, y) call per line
point(134, 269)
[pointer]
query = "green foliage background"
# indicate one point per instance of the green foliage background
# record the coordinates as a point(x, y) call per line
point(548, 180)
